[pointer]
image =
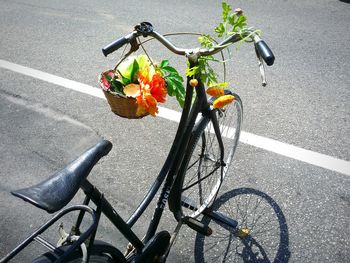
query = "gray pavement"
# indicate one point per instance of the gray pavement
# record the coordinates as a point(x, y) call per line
point(43, 126)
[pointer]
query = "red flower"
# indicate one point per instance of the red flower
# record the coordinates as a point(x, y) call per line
point(105, 80)
point(157, 87)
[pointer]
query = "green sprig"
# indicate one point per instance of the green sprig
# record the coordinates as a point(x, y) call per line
point(233, 22)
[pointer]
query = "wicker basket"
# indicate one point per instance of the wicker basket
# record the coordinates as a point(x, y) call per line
point(122, 106)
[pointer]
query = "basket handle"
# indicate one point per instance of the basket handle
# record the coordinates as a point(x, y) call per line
point(134, 46)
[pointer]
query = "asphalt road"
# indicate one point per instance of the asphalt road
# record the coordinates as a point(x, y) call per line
point(306, 104)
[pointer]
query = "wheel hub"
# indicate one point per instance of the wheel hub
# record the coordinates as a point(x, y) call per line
point(243, 232)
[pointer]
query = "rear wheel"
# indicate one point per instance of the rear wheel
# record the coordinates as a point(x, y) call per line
point(100, 252)
point(74, 258)
point(205, 173)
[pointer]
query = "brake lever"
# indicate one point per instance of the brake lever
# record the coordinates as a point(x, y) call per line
point(262, 69)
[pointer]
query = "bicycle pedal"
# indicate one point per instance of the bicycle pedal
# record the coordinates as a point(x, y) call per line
point(198, 226)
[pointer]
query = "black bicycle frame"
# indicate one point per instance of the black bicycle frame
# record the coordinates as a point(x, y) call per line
point(169, 170)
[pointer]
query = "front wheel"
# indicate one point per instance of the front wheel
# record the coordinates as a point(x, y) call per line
point(260, 234)
point(205, 171)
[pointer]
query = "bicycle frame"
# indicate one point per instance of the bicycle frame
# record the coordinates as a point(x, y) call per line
point(169, 171)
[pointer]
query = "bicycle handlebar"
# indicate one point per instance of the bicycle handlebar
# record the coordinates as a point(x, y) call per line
point(264, 51)
point(115, 45)
point(261, 47)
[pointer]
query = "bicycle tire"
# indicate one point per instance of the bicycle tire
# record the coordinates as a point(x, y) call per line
point(75, 258)
point(100, 253)
point(204, 173)
point(254, 210)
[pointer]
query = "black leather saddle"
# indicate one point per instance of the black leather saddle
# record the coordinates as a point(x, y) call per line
point(57, 191)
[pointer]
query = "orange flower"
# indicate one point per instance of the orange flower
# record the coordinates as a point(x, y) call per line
point(223, 101)
point(157, 87)
point(215, 91)
point(152, 91)
point(148, 103)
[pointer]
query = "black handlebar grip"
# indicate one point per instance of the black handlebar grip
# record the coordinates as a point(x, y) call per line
point(114, 46)
point(265, 52)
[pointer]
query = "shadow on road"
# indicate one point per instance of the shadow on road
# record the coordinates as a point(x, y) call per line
point(261, 234)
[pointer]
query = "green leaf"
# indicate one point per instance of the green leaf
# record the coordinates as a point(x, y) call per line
point(170, 87)
point(108, 77)
point(164, 63)
point(220, 29)
point(206, 40)
point(226, 9)
point(134, 69)
point(169, 69)
point(176, 88)
point(190, 72)
point(181, 99)
point(125, 80)
point(178, 77)
point(128, 71)
point(208, 74)
point(179, 84)
point(240, 23)
point(117, 86)
point(232, 19)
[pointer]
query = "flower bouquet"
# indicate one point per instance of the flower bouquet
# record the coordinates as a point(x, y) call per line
point(136, 86)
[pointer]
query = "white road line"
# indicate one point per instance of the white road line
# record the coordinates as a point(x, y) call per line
point(66, 83)
point(291, 151)
point(297, 153)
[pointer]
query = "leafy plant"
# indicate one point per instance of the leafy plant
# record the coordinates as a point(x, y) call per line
point(233, 22)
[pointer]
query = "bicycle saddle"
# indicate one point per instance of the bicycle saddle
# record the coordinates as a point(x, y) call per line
point(57, 191)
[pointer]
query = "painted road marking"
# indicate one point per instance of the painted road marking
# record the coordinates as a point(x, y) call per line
point(288, 150)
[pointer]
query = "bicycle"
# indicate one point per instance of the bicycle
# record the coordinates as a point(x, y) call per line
point(191, 176)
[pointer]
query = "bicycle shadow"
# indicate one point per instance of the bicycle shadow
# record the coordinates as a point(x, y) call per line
point(261, 234)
